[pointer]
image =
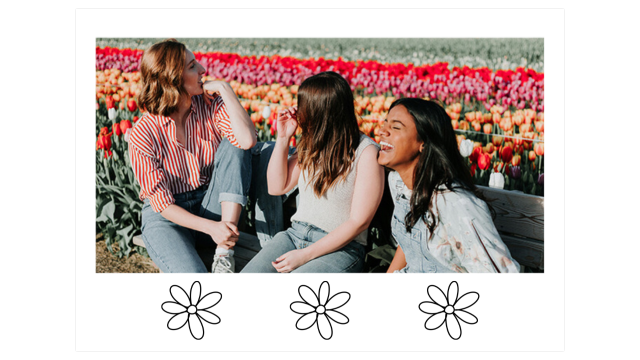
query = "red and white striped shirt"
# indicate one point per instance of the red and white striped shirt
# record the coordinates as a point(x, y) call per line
point(163, 166)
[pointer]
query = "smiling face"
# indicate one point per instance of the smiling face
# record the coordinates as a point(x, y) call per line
point(192, 75)
point(399, 142)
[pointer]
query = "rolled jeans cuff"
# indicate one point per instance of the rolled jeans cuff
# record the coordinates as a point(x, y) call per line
point(234, 198)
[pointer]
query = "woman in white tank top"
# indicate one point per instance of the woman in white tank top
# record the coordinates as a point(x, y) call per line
point(339, 180)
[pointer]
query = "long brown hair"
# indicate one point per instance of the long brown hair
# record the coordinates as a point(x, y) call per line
point(161, 74)
point(330, 133)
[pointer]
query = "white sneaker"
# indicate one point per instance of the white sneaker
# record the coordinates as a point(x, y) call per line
point(223, 264)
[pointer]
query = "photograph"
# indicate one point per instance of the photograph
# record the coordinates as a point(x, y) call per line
point(414, 145)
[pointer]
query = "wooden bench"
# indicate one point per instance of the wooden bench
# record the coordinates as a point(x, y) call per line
point(519, 220)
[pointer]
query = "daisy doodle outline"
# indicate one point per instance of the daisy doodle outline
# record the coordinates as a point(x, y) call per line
point(449, 309)
point(320, 309)
point(191, 309)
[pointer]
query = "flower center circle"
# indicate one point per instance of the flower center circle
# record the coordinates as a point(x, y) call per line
point(449, 309)
point(320, 309)
point(191, 309)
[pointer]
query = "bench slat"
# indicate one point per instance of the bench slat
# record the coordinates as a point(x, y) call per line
point(517, 213)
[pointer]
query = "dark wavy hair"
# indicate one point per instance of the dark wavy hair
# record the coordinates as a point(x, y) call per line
point(161, 77)
point(330, 133)
point(440, 161)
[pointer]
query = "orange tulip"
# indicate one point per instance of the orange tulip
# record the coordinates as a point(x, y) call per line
point(506, 124)
point(487, 128)
point(477, 126)
point(529, 114)
point(515, 160)
point(518, 140)
point(489, 148)
point(532, 155)
point(539, 148)
point(518, 119)
point(497, 140)
point(454, 123)
point(470, 116)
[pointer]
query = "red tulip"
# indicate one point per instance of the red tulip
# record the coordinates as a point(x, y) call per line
point(110, 102)
point(475, 154)
point(132, 105)
point(506, 153)
point(484, 161)
point(124, 125)
point(104, 142)
point(116, 129)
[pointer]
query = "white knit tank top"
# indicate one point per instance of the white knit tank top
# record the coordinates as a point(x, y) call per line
point(334, 207)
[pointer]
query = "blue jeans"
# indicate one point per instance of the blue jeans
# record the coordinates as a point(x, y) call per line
point(237, 174)
point(350, 258)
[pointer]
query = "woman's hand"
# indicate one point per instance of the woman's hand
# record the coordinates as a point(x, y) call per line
point(287, 122)
point(291, 261)
point(213, 86)
point(224, 233)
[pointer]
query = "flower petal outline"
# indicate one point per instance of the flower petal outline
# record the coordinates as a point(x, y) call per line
point(466, 317)
point(208, 301)
point(323, 293)
point(453, 327)
point(435, 321)
point(337, 317)
point(195, 293)
point(308, 295)
point(195, 326)
point(180, 296)
point(208, 316)
point(437, 296)
point(467, 300)
point(429, 307)
point(305, 321)
point(178, 321)
point(452, 293)
point(338, 300)
point(171, 307)
point(324, 327)
point(301, 307)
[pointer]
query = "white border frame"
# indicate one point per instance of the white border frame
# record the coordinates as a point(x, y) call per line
point(517, 312)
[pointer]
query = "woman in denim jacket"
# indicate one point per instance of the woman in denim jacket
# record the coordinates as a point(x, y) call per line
point(440, 220)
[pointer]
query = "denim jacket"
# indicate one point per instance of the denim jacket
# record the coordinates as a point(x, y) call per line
point(465, 239)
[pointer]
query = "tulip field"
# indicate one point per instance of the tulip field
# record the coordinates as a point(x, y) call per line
point(498, 114)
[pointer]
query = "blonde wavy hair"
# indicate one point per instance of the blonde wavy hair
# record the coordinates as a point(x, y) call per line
point(161, 74)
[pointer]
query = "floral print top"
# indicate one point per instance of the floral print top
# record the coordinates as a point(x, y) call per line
point(465, 239)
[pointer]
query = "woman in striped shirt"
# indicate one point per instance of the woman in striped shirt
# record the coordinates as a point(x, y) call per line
point(190, 154)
